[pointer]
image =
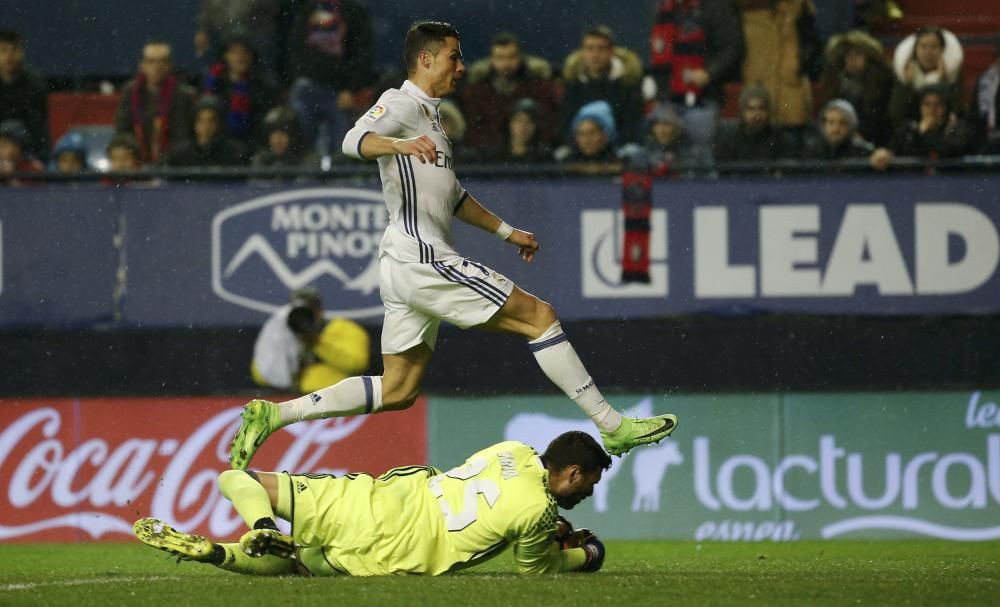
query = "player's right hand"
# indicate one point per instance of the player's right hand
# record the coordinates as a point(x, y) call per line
point(527, 246)
point(422, 147)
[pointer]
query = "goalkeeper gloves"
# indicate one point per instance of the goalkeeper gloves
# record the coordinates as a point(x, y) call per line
point(595, 553)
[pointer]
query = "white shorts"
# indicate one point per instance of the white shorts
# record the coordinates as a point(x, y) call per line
point(418, 296)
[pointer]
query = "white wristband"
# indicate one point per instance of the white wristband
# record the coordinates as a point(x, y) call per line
point(504, 231)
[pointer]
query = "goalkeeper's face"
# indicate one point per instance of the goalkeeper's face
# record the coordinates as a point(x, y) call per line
point(572, 485)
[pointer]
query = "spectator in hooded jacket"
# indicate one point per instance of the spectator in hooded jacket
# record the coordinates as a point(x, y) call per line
point(837, 138)
point(602, 71)
point(284, 146)
point(938, 133)
point(23, 96)
point(753, 137)
point(70, 154)
point(496, 83)
point(155, 108)
point(855, 69)
point(594, 133)
point(239, 83)
point(211, 147)
point(523, 142)
point(667, 143)
point(931, 56)
point(123, 154)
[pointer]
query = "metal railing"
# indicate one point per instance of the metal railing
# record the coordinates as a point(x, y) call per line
point(369, 170)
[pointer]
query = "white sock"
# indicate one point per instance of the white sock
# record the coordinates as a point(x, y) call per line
point(350, 396)
point(559, 362)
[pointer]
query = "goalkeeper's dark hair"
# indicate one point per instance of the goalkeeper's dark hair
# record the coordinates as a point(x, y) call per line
point(578, 448)
point(425, 36)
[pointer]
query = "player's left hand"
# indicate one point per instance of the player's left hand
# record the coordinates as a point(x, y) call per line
point(527, 246)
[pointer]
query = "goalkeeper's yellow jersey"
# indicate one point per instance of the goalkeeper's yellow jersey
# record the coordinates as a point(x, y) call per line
point(421, 520)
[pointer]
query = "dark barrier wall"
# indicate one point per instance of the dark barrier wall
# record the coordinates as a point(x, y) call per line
point(692, 354)
point(216, 255)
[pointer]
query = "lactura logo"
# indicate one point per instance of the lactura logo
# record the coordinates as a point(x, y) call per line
point(328, 237)
point(601, 245)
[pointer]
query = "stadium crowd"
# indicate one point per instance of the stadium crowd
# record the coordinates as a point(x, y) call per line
point(726, 81)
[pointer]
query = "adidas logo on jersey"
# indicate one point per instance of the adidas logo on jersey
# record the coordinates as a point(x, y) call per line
point(300, 487)
point(315, 398)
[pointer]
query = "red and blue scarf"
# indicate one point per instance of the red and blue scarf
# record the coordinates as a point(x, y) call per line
point(237, 117)
point(155, 144)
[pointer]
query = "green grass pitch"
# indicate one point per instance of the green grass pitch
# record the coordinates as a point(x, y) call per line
point(635, 574)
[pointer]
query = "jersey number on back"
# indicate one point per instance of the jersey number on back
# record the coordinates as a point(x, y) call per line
point(456, 521)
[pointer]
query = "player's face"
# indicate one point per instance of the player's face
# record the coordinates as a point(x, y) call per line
point(572, 485)
point(446, 67)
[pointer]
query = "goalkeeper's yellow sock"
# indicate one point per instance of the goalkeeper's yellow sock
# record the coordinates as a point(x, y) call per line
point(249, 498)
point(232, 558)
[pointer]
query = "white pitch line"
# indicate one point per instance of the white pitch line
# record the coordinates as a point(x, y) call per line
point(86, 582)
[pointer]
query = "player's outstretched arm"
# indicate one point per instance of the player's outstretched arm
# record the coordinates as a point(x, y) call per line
point(472, 212)
point(371, 145)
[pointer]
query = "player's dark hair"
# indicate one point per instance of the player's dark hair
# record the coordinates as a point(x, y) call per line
point(11, 37)
point(578, 448)
point(601, 31)
point(505, 39)
point(421, 36)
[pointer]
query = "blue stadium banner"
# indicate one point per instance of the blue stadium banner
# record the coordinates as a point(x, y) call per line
point(216, 255)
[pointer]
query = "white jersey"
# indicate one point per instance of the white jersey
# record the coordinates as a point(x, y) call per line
point(422, 198)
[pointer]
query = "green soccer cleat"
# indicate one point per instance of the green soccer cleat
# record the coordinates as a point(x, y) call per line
point(260, 418)
point(638, 431)
point(154, 532)
point(258, 542)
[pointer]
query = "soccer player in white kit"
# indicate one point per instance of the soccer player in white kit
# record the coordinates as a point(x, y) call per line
point(424, 280)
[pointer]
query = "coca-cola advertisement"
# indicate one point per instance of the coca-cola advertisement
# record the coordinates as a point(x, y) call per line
point(86, 469)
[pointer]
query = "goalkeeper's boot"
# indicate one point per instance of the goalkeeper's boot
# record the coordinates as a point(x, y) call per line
point(258, 542)
point(634, 432)
point(154, 532)
point(260, 419)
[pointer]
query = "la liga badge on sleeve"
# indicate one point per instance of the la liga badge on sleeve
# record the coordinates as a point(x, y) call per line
point(375, 113)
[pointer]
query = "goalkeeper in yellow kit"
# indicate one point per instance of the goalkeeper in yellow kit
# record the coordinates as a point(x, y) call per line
point(415, 519)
